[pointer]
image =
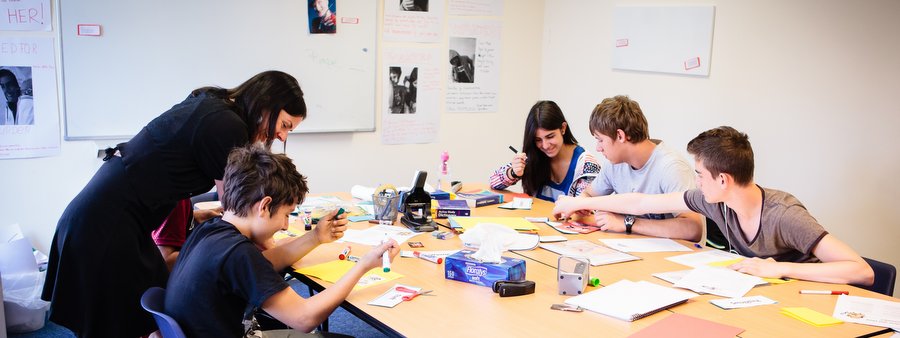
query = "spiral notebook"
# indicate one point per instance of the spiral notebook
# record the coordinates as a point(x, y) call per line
point(630, 301)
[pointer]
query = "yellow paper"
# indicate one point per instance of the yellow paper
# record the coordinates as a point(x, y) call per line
point(723, 264)
point(515, 223)
point(810, 316)
point(334, 270)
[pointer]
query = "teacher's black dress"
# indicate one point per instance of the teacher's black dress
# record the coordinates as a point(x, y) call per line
point(102, 257)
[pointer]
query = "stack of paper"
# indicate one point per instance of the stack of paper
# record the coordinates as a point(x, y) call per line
point(869, 311)
point(597, 254)
point(515, 223)
point(627, 300)
point(718, 281)
point(644, 245)
point(809, 316)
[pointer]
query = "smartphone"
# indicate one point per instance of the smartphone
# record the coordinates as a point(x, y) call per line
point(566, 307)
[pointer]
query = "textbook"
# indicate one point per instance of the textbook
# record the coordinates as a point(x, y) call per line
point(597, 254)
point(447, 208)
point(630, 301)
point(480, 198)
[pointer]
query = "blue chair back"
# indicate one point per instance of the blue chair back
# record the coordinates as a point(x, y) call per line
point(152, 301)
point(885, 275)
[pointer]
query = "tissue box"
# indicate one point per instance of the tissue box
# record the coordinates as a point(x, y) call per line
point(461, 267)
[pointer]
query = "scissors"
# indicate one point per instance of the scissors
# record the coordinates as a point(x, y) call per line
point(414, 293)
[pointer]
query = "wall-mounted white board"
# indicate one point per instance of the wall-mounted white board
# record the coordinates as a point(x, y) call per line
point(151, 54)
point(668, 39)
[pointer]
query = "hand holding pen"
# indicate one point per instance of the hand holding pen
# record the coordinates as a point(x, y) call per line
point(517, 167)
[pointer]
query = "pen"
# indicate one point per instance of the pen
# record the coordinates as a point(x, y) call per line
point(824, 292)
point(385, 259)
point(513, 149)
point(698, 246)
point(428, 257)
point(344, 253)
point(339, 212)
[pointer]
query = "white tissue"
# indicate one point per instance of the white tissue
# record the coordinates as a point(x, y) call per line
point(492, 239)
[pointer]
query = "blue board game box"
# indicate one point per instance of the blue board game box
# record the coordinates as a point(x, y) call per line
point(461, 267)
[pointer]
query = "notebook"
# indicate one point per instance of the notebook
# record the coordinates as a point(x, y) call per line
point(630, 301)
point(597, 254)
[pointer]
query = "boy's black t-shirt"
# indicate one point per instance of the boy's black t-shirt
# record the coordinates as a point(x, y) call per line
point(218, 274)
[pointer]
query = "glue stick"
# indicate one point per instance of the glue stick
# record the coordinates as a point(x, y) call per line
point(385, 258)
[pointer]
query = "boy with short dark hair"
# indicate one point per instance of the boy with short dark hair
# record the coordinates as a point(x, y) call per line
point(221, 271)
point(639, 164)
point(769, 225)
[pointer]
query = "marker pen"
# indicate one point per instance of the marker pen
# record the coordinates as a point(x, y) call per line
point(344, 253)
point(428, 257)
point(824, 292)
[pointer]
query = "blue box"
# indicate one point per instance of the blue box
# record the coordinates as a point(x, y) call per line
point(461, 267)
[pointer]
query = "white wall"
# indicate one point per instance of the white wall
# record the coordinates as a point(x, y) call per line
point(36, 191)
point(814, 84)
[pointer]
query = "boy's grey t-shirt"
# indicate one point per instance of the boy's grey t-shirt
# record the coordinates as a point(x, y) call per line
point(787, 233)
point(666, 171)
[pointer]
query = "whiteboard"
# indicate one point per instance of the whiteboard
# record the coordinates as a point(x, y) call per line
point(666, 39)
point(152, 54)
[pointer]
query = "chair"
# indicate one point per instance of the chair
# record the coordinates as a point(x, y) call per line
point(152, 301)
point(885, 276)
point(714, 237)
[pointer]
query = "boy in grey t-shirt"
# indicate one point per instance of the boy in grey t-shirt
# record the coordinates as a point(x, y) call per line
point(769, 225)
point(639, 164)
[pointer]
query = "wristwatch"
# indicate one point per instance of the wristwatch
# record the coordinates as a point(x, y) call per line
point(629, 222)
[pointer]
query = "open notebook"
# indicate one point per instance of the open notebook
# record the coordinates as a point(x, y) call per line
point(627, 300)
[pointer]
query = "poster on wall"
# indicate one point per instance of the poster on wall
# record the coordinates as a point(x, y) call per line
point(29, 123)
point(322, 15)
point(475, 7)
point(473, 62)
point(25, 15)
point(413, 20)
point(412, 87)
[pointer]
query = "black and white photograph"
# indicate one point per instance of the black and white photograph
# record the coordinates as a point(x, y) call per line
point(404, 89)
point(414, 5)
point(462, 59)
point(18, 96)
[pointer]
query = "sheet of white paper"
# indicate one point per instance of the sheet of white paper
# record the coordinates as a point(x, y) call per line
point(392, 297)
point(16, 257)
point(644, 245)
point(737, 303)
point(474, 76)
point(10, 233)
point(475, 7)
point(869, 311)
point(597, 254)
point(376, 234)
point(703, 258)
point(718, 281)
point(518, 203)
point(675, 276)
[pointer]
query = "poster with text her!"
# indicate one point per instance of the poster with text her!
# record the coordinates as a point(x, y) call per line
point(473, 64)
point(29, 122)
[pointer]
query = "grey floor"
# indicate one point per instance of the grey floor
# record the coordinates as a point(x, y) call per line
point(339, 322)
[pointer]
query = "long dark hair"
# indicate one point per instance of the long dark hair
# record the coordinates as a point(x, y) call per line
point(544, 115)
point(263, 97)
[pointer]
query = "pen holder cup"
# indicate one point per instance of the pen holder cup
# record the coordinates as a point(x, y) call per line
point(386, 207)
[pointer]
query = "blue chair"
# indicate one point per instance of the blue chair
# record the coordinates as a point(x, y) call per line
point(152, 301)
point(885, 276)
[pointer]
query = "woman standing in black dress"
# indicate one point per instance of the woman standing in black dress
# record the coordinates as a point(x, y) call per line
point(102, 257)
